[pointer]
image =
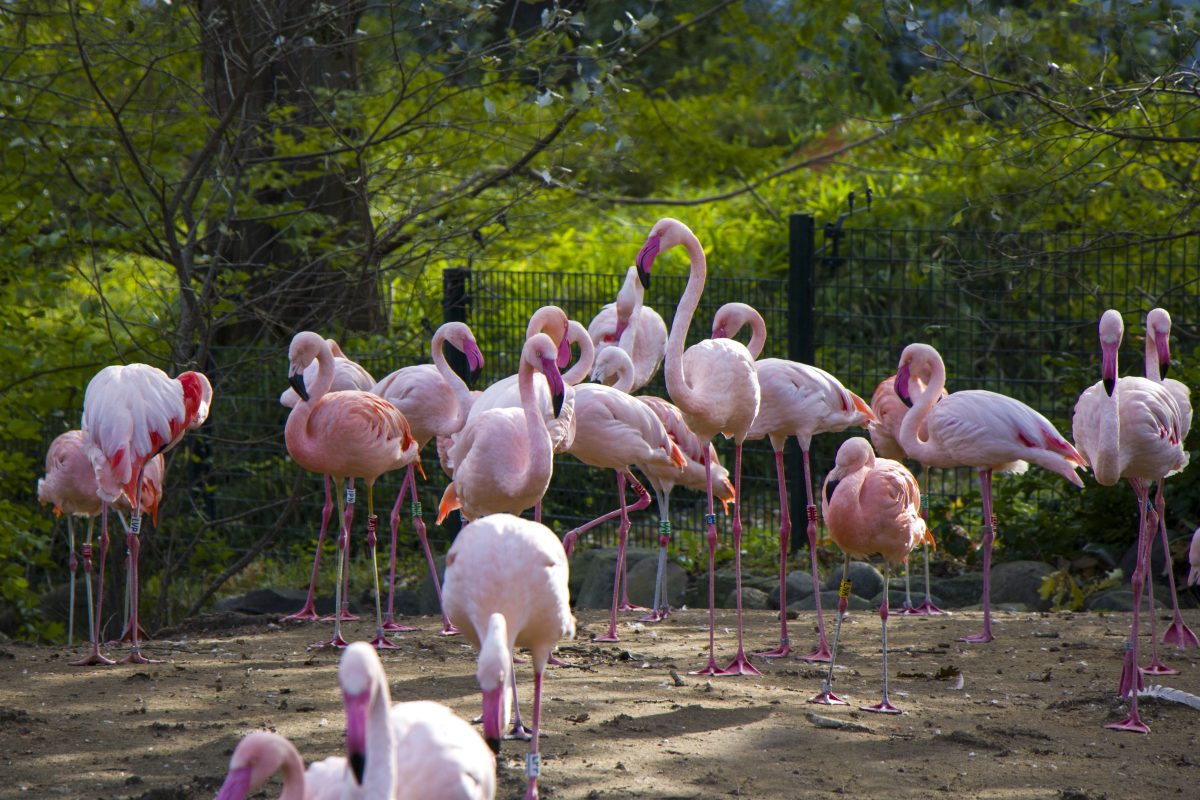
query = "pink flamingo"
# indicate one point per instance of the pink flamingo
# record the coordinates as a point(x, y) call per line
point(716, 387)
point(797, 400)
point(633, 327)
point(347, 375)
point(870, 505)
point(884, 430)
point(435, 401)
point(132, 413)
point(1194, 560)
point(504, 457)
point(980, 429)
point(1158, 361)
point(70, 487)
point(1128, 428)
point(347, 435)
point(615, 431)
point(261, 754)
point(411, 750)
point(506, 587)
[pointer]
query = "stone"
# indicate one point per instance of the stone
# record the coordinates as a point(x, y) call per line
point(752, 598)
point(1020, 582)
point(896, 598)
point(593, 570)
point(829, 604)
point(958, 591)
point(276, 601)
point(866, 581)
point(641, 582)
point(799, 585)
point(1116, 600)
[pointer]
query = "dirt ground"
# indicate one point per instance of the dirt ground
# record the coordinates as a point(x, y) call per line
point(626, 720)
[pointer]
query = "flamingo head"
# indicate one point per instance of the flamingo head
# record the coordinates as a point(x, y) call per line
point(197, 397)
point(296, 380)
point(256, 758)
point(1111, 330)
point(494, 671)
point(303, 350)
point(474, 360)
point(1158, 326)
point(854, 454)
point(493, 713)
point(901, 384)
point(629, 300)
point(361, 675)
point(650, 250)
point(539, 352)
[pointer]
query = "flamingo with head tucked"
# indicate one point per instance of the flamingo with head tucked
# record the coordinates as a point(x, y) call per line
point(261, 754)
point(347, 435)
point(633, 327)
point(435, 401)
point(1129, 428)
point(715, 385)
point(802, 401)
point(984, 430)
point(131, 414)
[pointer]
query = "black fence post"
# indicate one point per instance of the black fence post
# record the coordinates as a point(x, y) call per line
point(801, 347)
point(456, 304)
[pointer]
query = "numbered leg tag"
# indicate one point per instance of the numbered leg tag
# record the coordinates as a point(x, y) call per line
point(664, 526)
point(416, 510)
point(533, 765)
point(135, 524)
point(844, 589)
point(710, 519)
point(349, 494)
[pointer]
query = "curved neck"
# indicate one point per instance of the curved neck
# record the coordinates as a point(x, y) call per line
point(677, 385)
point(457, 385)
point(325, 373)
point(758, 334)
point(578, 335)
point(541, 452)
point(1152, 356)
point(923, 402)
point(292, 770)
point(495, 651)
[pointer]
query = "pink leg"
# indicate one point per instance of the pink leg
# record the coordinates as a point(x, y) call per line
point(134, 541)
point(822, 652)
point(622, 539)
point(884, 706)
point(533, 762)
point(1177, 633)
point(1130, 675)
point(419, 524)
point(389, 619)
point(343, 544)
point(93, 657)
point(309, 610)
point(740, 665)
point(73, 566)
point(571, 537)
point(785, 533)
point(380, 642)
point(826, 697)
point(989, 535)
point(710, 520)
point(927, 607)
point(643, 501)
point(662, 606)
point(517, 731)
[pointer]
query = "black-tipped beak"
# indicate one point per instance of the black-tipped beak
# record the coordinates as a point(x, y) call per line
point(495, 745)
point(473, 377)
point(829, 487)
point(297, 382)
point(644, 277)
point(1109, 384)
point(557, 400)
point(358, 765)
point(1163, 368)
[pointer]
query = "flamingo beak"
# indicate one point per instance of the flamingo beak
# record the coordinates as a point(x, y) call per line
point(564, 353)
point(901, 385)
point(474, 361)
point(1163, 346)
point(645, 259)
point(864, 408)
point(237, 784)
point(493, 714)
point(297, 382)
point(1108, 366)
point(356, 732)
point(555, 381)
point(719, 332)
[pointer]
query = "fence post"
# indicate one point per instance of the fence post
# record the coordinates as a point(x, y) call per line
point(455, 306)
point(801, 347)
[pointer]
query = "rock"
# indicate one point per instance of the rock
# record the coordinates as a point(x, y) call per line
point(592, 571)
point(641, 582)
point(426, 599)
point(829, 604)
point(866, 581)
point(1020, 582)
point(724, 582)
point(276, 601)
point(961, 590)
point(896, 599)
point(799, 586)
point(752, 598)
point(1116, 600)
point(1180, 563)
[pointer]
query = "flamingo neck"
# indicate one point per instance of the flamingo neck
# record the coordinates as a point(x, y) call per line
point(914, 421)
point(1106, 461)
point(1151, 357)
point(380, 777)
point(457, 385)
point(495, 653)
point(587, 354)
point(297, 421)
point(541, 453)
point(292, 770)
point(677, 385)
point(758, 335)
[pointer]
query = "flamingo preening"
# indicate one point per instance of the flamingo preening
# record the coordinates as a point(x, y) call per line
point(633, 327)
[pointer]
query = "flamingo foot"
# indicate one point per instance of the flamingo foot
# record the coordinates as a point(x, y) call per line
point(627, 606)
point(337, 641)
point(555, 661)
point(519, 733)
point(657, 615)
point(1131, 724)
point(306, 614)
point(448, 629)
point(739, 666)
point(820, 654)
point(882, 707)
point(977, 638)
point(93, 659)
point(609, 635)
point(1156, 667)
point(126, 638)
point(396, 627)
point(345, 615)
point(782, 651)
point(135, 657)
point(710, 668)
point(1131, 677)
point(531, 792)
point(928, 609)
point(906, 611)
point(1180, 635)
point(828, 698)
point(381, 642)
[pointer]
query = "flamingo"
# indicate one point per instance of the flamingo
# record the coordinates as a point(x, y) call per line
point(504, 456)
point(870, 505)
point(261, 754)
point(132, 413)
point(633, 327)
point(1129, 428)
point(889, 413)
point(980, 429)
point(408, 751)
point(347, 374)
point(435, 401)
point(1158, 361)
point(615, 431)
point(347, 435)
point(797, 400)
point(1194, 560)
point(490, 558)
point(70, 487)
point(716, 387)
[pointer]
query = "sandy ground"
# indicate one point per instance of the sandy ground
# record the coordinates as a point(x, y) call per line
point(626, 720)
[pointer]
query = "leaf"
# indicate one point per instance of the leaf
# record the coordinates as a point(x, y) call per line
point(852, 23)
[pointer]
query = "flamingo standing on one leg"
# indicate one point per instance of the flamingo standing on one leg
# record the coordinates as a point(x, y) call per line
point(633, 327)
point(980, 429)
point(259, 755)
point(716, 387)
point(347, 435)
point(347, 374)
point(870, 505)
point(435, 401)
point(614, 431)
point(797, 400)
point(1129, 428)
point(884, 431)
point(506, 587)
point(1158, 361)
point(132, 413)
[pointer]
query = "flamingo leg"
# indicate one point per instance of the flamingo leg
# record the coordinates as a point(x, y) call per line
point(419, 523)
point(826, 697)
point(389, 619)
point(710, 520)
point(1155, 667)
point(518, 730)
point(785, 532)
point(643, 501)
point(884, 706)
point(134, 542)
point(345, 513)
point(927, 607)
point(1131, 678)
point(87, 576)
point(73, 565)
point(740, 665)
point(380, 642)
point(989, 536)
point(533, 762)
point(309, 610)
point(1177, 633)
point(662, 606)
point(822, 652)
point(571, 537)
point(622, 540)
point(125, 636)
point(93, 657)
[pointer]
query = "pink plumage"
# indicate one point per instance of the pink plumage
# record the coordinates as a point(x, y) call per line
point(633, 327)
point(347, 374)
point(261, 754)
point(1194, 560)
